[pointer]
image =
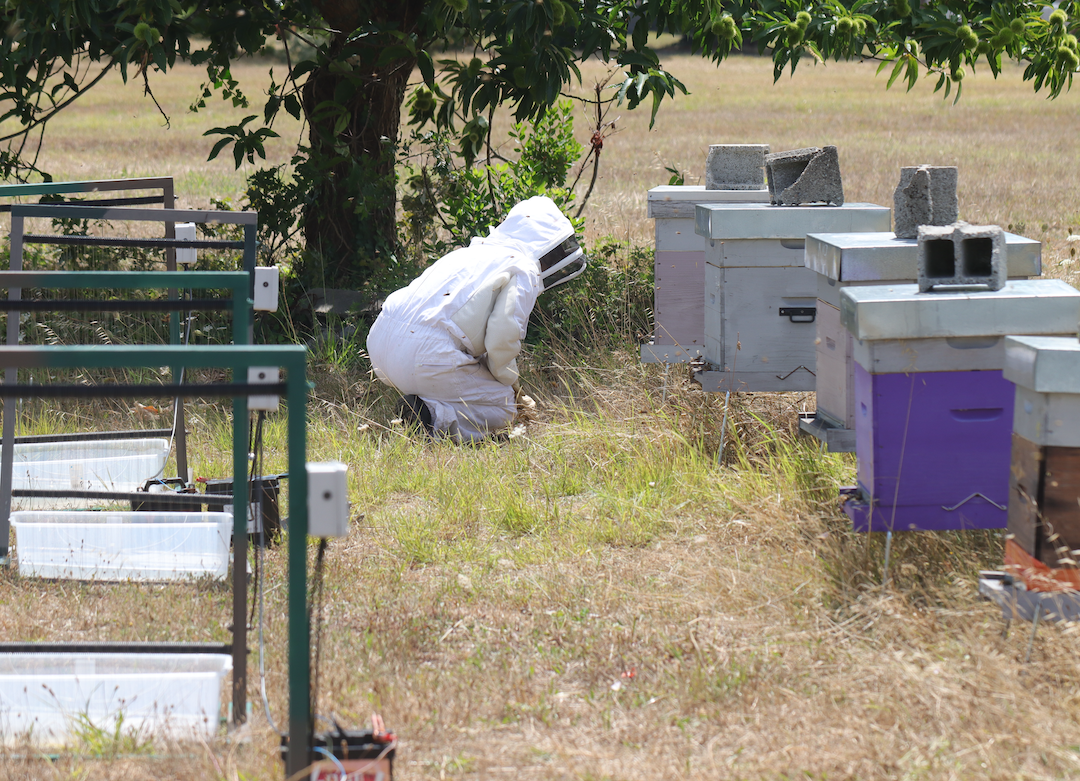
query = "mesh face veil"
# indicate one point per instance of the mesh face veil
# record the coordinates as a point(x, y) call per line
point(561, 264)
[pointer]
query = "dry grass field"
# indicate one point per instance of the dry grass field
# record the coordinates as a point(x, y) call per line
point(601, 599)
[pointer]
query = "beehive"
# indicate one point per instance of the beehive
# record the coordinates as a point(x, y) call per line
point(760, 299)
point(933, 411)
point(843, 260)
point(1043, 545)
point(679, 269)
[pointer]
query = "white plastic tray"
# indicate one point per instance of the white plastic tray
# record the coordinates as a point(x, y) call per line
point(122, 545)
point(92, 465)
point(52, 698)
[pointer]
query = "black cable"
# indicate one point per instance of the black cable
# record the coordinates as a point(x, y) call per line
point(315, 605)
point(255, 484)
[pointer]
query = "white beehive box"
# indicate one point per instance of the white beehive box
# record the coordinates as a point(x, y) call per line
point(679, 267)
point(119, 465)
point(48, 697)
point(122, 545)
point(760, 299)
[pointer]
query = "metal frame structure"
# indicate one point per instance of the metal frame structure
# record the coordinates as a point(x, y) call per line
point(237, 282)
point(291, 358)
point(169, 217)
point(163, 183)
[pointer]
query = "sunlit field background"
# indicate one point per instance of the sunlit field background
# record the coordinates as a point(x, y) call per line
point(607, 597)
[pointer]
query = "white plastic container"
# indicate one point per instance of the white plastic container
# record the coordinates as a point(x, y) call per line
point(92, 465)
point(51, 698)
point(122, 545)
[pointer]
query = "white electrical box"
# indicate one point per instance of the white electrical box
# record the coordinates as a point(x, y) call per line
point(263, 375)
point(186, 256)
point(266, 288)
point(328, 499)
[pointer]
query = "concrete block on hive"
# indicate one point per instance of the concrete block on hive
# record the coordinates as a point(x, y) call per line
point(962, 254)
point(736, 167)
point(926, 195)
point(804, 176)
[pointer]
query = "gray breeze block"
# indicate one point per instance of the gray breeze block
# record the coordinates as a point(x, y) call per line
point(961, 254)
point(926, 195)
point(736, 167)
point(805, 176)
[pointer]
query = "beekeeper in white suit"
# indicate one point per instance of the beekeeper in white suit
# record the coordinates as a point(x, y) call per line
point(449, 341)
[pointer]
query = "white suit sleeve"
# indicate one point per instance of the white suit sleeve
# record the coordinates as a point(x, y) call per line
point(506, 327)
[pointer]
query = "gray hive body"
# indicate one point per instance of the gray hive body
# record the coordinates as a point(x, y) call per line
point(805, 176)
point(962, 254)
point(926, 195)
point(736, 167)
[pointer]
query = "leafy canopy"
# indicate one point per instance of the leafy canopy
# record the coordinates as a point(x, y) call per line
point(526, 55)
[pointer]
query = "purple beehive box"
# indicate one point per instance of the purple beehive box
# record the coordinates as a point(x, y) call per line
point(933, 413)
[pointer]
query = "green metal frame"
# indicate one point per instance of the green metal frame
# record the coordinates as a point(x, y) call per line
point(163, 183)
point(21, 212)
point(237, 282)
point(291, 358)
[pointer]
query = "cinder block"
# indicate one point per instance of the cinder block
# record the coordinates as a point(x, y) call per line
point(926, 195)
point(736, 167)
point(961, 254)
point(804, 176)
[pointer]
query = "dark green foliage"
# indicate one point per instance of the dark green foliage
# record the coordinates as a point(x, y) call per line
point(448, 201)
point(607, 306)
point(349, 63)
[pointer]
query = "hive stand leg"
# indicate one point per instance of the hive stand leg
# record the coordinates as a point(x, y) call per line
point(1034, 629)
point(888, 551)
point(723, 428)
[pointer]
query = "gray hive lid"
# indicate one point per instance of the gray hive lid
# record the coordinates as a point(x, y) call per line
point(1023, 306)
point(671, 200)
point(881, 257)
point(764, 221)
point(1044, 364)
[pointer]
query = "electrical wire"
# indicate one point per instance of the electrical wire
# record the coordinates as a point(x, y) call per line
point(337, 762)
point(259, 573)
point(188, 317)
point(315, 608)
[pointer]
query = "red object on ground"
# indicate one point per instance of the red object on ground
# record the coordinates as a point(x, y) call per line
point(1035, 575)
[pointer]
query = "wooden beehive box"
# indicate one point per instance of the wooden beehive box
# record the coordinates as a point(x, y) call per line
point(933, 411)
point(679, 266)
point(1044, 483)
point(760, 299)
point(847, 259)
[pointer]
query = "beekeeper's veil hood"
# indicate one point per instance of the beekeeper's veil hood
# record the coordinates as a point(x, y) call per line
point(542, 232)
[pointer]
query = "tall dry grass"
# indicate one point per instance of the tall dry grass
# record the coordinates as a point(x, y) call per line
point(605, 598)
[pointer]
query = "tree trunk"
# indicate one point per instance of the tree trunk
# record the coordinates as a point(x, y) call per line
point(350, 221)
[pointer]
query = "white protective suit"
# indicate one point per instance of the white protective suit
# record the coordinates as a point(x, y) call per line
point(452, 337)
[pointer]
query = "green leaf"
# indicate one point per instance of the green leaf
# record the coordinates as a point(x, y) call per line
point(638, 58)
point(221, 144)
point(292, 105)
point(898, 68)
point(427, 69)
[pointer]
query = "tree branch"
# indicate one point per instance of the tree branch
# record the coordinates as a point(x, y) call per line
point(61, 106)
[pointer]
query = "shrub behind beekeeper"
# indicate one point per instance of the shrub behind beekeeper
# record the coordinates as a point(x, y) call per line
point(449, 341)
